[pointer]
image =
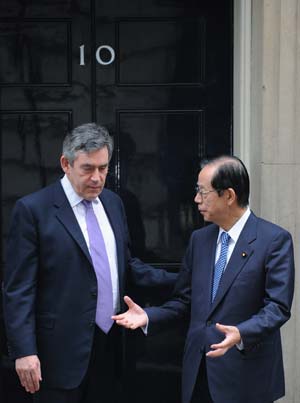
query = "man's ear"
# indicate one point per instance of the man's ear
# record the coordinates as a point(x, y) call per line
point(230, 195)
point(64, 163)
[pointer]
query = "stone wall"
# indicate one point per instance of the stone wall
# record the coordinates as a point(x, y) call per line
point(274, 143)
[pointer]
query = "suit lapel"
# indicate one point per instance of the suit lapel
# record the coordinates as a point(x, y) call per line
point(240, 256)
point(209, 244)
point(66, 216)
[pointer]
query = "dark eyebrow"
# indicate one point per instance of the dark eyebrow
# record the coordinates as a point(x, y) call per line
point(86, 165)
point(103, 166)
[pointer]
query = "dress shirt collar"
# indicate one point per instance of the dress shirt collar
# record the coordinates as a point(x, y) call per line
point(72, 196)
point(237, 228)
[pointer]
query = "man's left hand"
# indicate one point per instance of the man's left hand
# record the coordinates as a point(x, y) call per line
point(232, 337)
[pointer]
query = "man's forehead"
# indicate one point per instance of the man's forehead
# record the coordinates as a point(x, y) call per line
point(206, 174)
point(101, 153)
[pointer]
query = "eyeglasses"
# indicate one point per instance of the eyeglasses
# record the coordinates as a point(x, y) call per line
point(203, 193)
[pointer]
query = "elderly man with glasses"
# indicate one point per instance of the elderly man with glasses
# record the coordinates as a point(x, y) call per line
point(236, 283)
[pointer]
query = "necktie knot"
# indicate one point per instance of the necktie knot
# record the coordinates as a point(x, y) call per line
point(87, 203)
point(225, 238)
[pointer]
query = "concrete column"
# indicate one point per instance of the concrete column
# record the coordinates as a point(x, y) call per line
point(274, 151)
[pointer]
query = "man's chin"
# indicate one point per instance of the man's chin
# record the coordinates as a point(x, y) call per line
point(92, 195)
point(205, 217)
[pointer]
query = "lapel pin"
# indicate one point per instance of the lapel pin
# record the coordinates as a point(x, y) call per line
point(244, 254)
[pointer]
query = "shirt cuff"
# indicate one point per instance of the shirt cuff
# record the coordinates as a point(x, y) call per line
point(240, 345)
point(145, 328)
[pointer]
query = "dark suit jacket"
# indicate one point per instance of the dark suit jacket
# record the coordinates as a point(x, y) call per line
point(255, 294)
point(50, 287)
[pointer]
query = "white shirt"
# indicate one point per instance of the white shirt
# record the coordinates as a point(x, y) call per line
point(107, 232)
point(234, 234)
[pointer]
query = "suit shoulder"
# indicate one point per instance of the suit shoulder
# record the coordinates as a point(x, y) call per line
point(208, 230)
point(40, 196)
point(109, 195)
point(271, 229)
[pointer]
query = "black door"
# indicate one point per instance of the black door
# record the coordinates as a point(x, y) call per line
point(159, 75)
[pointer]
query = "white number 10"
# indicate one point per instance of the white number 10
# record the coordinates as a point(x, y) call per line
point(98, 55)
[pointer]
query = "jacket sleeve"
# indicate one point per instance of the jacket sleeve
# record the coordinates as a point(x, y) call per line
point(20, 281)
point(177, 308)
point(279, 289)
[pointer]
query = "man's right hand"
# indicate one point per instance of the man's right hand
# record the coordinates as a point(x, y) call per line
point(29, 371)
point(133, 318)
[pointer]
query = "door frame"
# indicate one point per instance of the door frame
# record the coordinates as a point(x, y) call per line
point(247, 84)
point(242, 79)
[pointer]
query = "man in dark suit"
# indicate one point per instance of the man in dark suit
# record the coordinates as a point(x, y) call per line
point(61, 287)
point(237, 283)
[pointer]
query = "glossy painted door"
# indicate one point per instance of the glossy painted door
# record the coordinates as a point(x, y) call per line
point(159, 75)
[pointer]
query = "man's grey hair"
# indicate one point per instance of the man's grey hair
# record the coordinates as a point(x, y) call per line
point(87, 138)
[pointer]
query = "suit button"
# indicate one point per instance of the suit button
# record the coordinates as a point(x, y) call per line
point(92, 323)
point(209, 323)
point(94, 293)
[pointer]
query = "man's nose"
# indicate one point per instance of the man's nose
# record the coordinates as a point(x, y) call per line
point(198, 198)
point(97, 175)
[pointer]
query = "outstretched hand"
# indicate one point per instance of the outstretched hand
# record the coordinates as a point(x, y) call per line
point(232, 337)
point(133, 318)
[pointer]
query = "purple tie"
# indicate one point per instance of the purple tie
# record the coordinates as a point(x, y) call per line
point(101, 266)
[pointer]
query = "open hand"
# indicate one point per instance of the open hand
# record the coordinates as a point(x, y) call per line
point(232, 337)
point(133, 318)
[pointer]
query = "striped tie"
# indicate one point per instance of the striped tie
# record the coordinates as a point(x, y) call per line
point(98, 253)
point(221, 263)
